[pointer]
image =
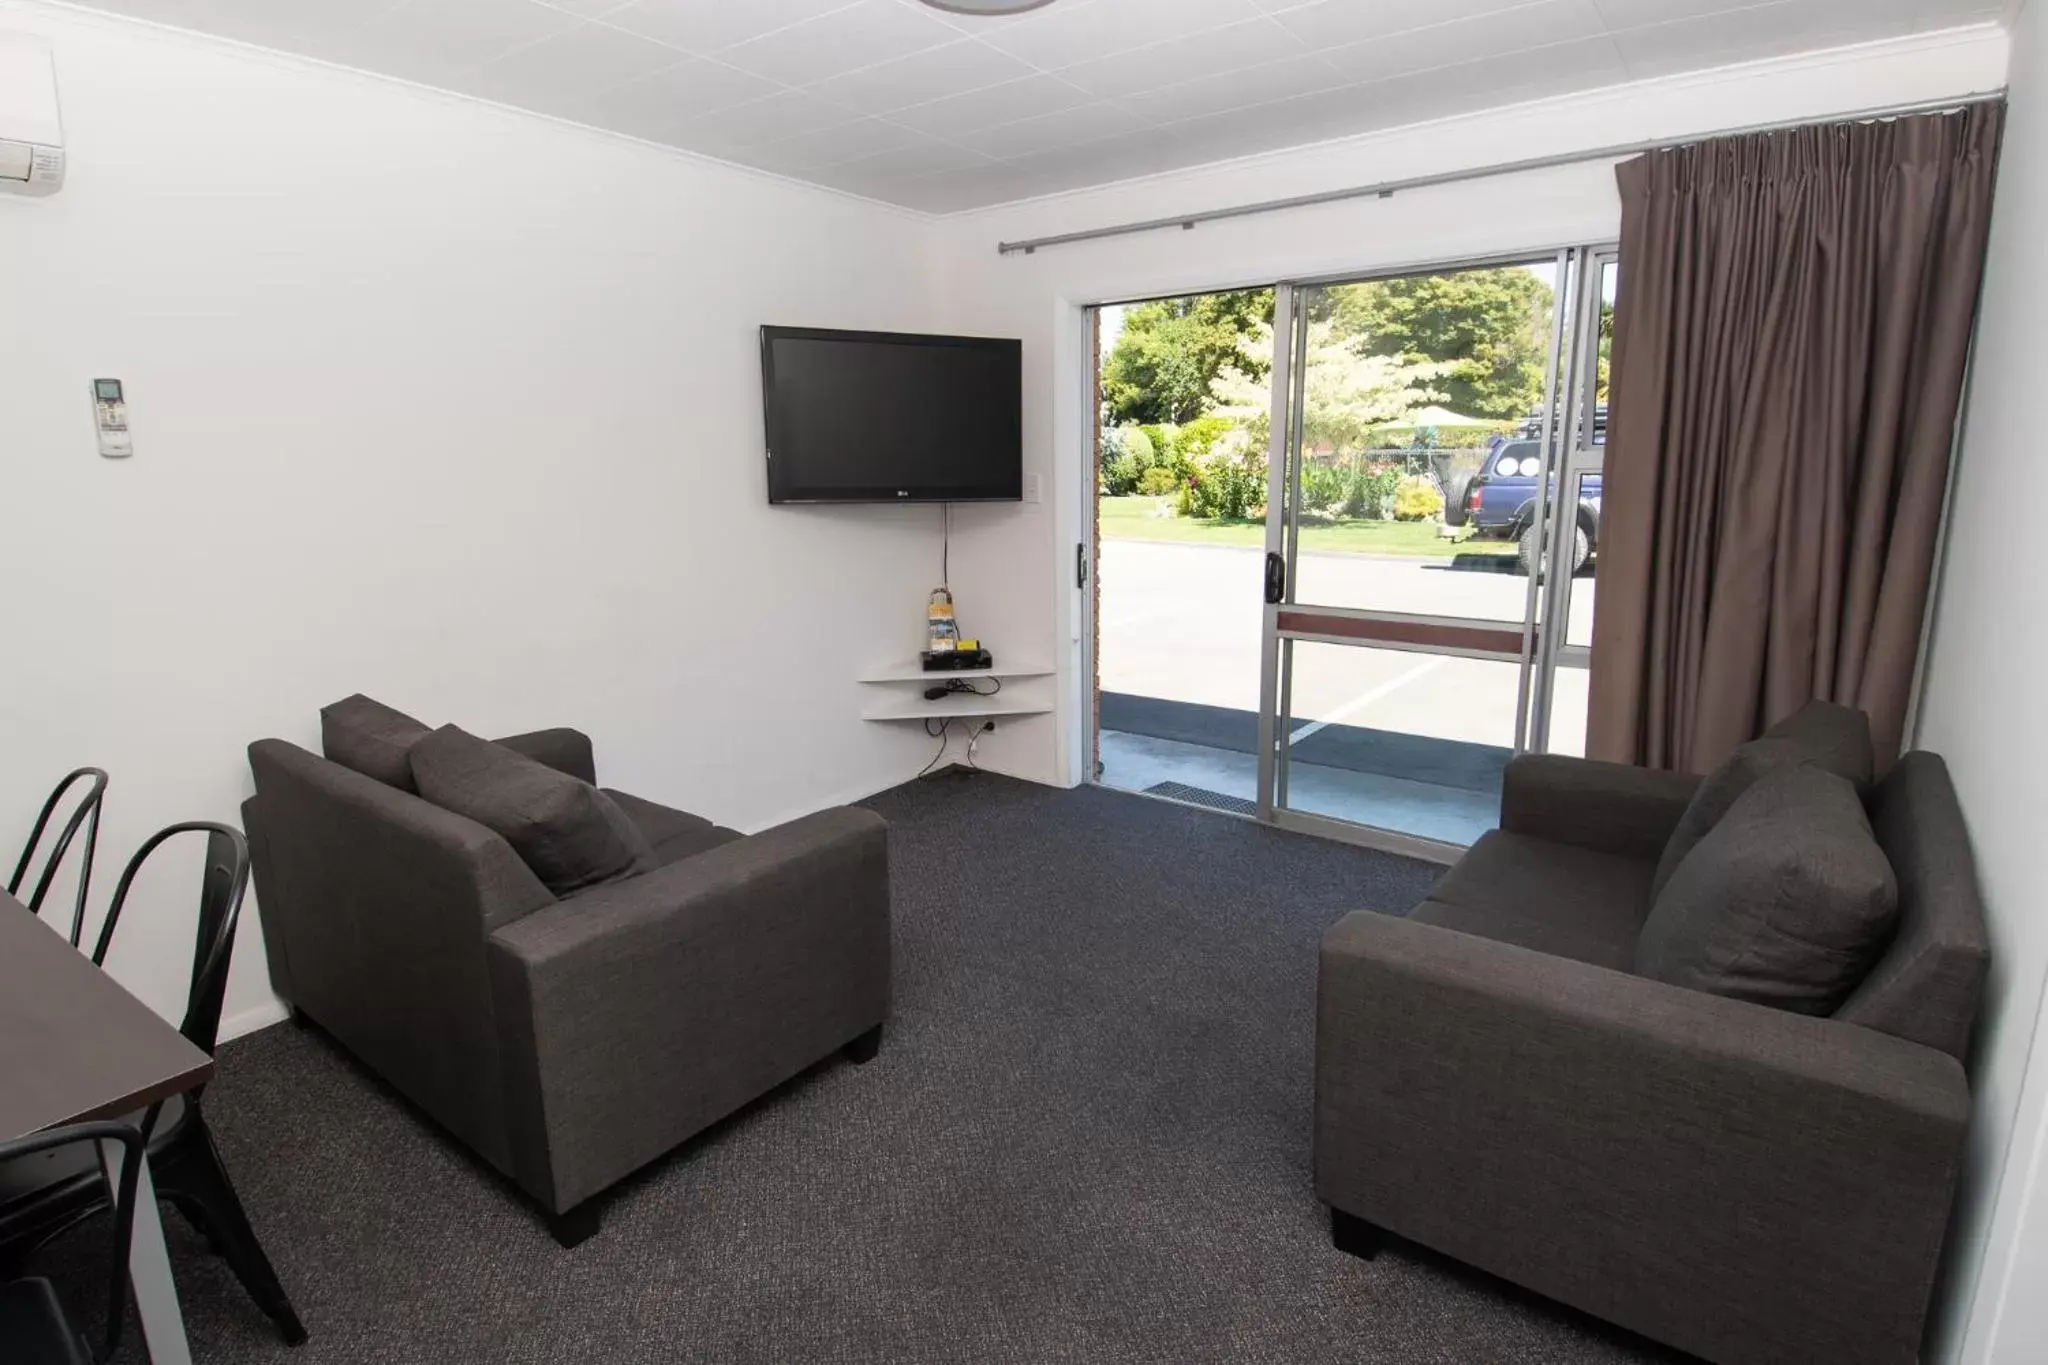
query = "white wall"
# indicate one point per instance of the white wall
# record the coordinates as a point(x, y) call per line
point(452, 405)
point(1013, 576)
point(1981, 710)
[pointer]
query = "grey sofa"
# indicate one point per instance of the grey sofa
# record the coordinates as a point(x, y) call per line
point(568, 1042)
point(1495, 1080)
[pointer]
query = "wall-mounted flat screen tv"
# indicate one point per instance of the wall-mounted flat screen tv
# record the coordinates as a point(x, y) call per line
point(892, 416)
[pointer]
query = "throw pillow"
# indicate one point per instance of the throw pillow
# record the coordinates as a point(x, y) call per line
point(571, 834)
point(1787, 902)
point(370, 738)
point(1835, 738)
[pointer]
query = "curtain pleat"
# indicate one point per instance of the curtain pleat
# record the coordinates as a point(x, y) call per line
point(1790, 344)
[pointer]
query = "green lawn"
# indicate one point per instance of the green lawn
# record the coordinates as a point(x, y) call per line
point(1142, 518)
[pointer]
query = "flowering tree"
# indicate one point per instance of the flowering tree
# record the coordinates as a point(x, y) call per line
point(1347, 393)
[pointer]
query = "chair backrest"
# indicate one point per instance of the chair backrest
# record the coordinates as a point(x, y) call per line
point(86, 815)
point(223, 882)
point(1928, 986)
point(377, 907)
point(122, 1195)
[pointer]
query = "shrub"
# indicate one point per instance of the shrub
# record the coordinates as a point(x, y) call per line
point(1200, 437)
point(1322, 486)
point(1224, 485)
point(1158, 481)
point(1368, 486)
point(1134, 443)
point(1160, 439)
point(1416, 498)
point(1126, 456)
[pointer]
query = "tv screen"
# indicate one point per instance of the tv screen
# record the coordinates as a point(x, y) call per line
point(891, 416)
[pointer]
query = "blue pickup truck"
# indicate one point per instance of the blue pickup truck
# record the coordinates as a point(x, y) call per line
point(1499, 503)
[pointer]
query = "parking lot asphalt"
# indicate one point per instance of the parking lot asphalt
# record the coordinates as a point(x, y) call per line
point(1182, 622)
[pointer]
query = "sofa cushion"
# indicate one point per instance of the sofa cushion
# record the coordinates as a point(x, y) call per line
point(1557, 898)
point(370, 738)
point(1831, 737)
point(571, 834)
point(675, 834)
point(1555, 936)
point(1787, 902)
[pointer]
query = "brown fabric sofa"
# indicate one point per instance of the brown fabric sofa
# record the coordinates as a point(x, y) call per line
point(1495, 1081)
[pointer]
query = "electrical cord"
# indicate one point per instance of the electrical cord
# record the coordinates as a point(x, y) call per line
point(945, 735)
point(946, 546)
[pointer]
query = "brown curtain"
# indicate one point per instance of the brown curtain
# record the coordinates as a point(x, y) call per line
point(1790, 342)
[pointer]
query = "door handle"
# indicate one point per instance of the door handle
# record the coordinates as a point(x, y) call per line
point(1080, 566)
point(1276, 578)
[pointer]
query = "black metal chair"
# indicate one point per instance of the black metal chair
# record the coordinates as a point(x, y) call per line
point(87, 816)
point(183, 1161)
point(34, 1328)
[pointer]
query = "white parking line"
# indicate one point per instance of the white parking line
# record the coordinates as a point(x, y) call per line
point(1365, 699)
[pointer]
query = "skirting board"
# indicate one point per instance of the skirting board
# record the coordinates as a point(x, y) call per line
point(253, 1019)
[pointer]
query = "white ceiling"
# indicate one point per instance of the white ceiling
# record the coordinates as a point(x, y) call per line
point(897, 101)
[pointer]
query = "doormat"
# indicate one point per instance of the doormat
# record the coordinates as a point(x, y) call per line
point(1200, 796)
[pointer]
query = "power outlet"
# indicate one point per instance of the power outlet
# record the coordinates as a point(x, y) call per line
point(1034, 488)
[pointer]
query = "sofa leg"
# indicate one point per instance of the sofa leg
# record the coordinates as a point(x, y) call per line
point(865, 1048)
point(1354, 1236)
point(578, 1225)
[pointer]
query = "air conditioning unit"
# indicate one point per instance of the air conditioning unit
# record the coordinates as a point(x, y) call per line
point(31, 135)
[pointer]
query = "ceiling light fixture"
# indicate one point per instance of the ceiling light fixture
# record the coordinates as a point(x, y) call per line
point(989, 7)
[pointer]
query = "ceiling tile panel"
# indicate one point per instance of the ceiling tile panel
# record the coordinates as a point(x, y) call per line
point(1065, 34)
point(1209, 55)
point(1068, 128)
point(686, 90)
point(896, 100)
point(1333, 23)
point(431, 40)
point(1262, 84)
point(849, 141)
point(788, 114)
point(569, 70)
point(1751, 34)
point(1501, 34)
point(980, 109)
point(708, 25)
point(937, 73)
point(843, 40)
point(667, 106)
point(294, 25)
point(927, 156)
point(587, 9)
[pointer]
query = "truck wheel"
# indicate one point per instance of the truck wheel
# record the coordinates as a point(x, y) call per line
point(1454, 510)
point(1531, 546)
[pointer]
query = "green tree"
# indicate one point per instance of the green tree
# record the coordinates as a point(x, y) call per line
point(1347, 393)
point(1492, 326)
point(1171, 350)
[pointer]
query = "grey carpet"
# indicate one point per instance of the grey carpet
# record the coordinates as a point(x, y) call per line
point(1086, 1139)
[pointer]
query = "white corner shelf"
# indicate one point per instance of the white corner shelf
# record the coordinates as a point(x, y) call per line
point(958, 706)
point(913, 670)
point(897, 702)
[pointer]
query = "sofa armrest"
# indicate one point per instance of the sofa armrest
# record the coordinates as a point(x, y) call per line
point(563, 749)
point(1708, 1172)
point(1610, 807)
point(637, 1013)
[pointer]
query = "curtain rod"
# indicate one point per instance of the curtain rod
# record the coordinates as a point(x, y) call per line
point(1387, 189)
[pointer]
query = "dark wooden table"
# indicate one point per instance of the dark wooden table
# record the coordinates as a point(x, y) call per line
point(74, 1045)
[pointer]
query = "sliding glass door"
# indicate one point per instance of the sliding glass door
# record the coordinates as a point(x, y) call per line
point(1433, 500)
